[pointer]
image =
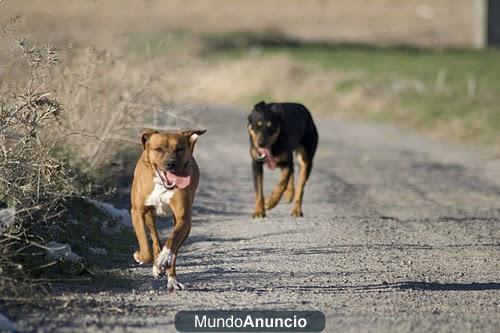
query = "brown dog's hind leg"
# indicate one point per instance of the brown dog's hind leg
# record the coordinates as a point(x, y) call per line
point(305, 170)
point(275, 197)
point(143, 255)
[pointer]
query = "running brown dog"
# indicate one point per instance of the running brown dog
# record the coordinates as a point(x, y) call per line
point(277, 130)
point(165, 180)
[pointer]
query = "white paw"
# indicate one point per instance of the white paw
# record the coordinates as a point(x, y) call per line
point(172, 284)
point(162, 263)
point(157, 273)
point(136, 258)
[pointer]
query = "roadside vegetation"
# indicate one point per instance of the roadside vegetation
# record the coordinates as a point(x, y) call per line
point(50, 230)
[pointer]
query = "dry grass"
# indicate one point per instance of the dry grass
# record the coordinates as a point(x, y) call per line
point(100, 91)
point(415, 22)
point(243, 81)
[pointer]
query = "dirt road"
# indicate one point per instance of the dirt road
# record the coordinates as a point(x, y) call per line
point(401, 233)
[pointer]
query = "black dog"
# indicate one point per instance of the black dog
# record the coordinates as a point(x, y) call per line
point(276, 131)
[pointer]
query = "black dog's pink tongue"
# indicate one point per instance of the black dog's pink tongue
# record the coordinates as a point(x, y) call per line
point(179, 181)
point(270, 162)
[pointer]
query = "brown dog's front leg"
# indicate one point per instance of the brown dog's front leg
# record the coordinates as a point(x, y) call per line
point(149, 218)
point(171, 271)
point(138, 220)
point(165, 263)
point(258, 179)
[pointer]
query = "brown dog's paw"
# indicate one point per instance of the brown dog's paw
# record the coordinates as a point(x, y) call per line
point(140, 260)
point(259, 214)
point(172, 284)
point(162, 263)
point(297, 212)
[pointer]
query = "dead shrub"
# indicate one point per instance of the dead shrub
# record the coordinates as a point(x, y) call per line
point(34, 182)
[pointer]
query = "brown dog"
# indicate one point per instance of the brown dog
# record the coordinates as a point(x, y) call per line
point(165, 180)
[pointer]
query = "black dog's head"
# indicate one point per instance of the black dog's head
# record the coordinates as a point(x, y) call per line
point(264, 124)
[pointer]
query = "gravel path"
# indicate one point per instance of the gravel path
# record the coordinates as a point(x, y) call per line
point(401, 233)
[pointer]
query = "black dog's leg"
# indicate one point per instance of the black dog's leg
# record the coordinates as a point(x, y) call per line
point(274, 198)
point(290, 189)
point(305, 163)
point(258, 179)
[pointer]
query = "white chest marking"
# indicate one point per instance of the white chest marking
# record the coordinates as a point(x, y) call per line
point(160, 198)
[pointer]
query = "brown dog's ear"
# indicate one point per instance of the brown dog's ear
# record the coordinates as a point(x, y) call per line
point(193, 136)
point(145, 137)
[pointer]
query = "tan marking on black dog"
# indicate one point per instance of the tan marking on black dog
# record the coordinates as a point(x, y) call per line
point(305, 168)
point(259, 197)
point(257, 138)
point(275, 197)
point(290, 189)
point(254, 137)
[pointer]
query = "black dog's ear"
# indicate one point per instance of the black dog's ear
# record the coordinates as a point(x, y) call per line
point(260, 105)
point(145, 136)
point(277, 108)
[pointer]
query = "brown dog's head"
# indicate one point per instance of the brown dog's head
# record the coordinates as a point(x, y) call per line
point(169, 153)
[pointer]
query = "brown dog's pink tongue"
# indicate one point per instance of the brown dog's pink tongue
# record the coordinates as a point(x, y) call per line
point(180, 181)
point(271, 163)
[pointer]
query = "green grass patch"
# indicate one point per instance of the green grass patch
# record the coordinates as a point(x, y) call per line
point(459, 65)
